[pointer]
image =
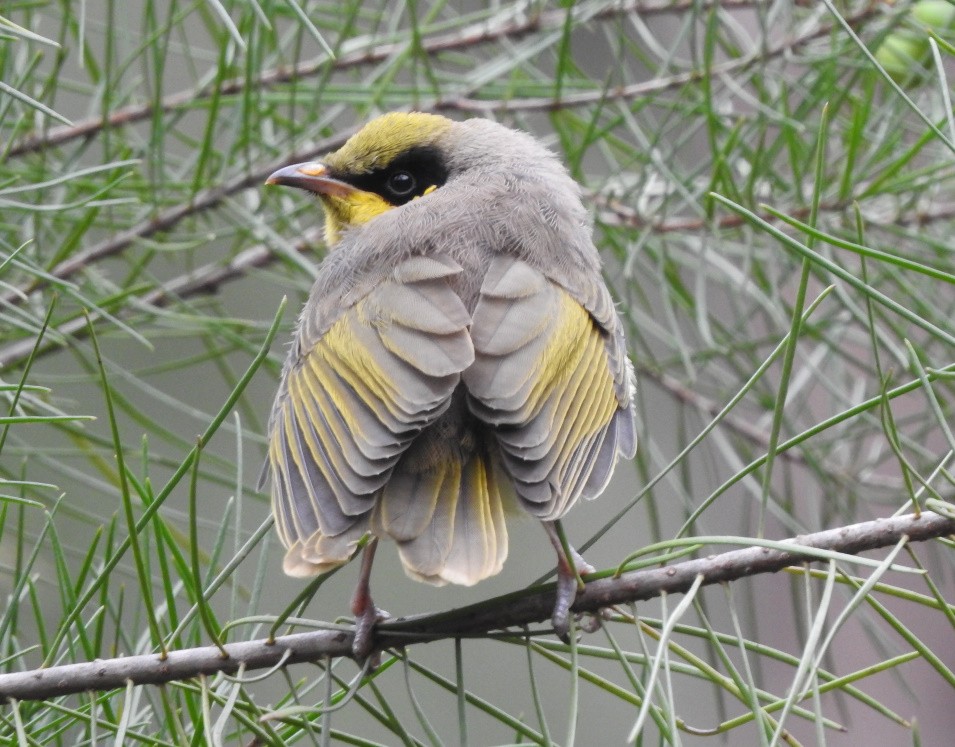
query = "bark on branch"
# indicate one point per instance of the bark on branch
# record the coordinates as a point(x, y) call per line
point(504, 612)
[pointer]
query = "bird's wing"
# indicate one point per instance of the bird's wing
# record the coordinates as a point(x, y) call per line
point(353, 400)
point(552, 379)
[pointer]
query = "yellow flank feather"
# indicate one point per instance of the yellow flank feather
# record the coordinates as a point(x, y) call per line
point(352, 362)
point(308, 410)
point(297, 459)
point(321, 381)
point(560, 360)
point(276, 456)
point(574, 371)
point(595, 393)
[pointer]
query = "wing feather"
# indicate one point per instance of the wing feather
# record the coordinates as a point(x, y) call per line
point(435, 356)
point(552, 379)
point(356, 392)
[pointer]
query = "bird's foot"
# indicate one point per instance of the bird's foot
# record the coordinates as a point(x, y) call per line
point(567, 588)
point(366, 618)
point(570, 567)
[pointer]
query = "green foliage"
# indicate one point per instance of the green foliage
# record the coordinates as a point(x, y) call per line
point(774, 202)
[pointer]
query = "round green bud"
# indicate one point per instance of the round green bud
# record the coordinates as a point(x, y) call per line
point(937, 15)
point(902, 54)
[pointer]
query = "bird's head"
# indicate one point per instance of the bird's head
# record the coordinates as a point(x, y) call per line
point(392, 160)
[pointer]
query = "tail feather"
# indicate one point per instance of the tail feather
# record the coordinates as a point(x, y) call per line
point(417, 511)
point(478, 527)
point(466, 538)
point(409, 500)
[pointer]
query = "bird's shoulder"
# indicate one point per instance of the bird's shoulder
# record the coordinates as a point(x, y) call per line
point(465, 225)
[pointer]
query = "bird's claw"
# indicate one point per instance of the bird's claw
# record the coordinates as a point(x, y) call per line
point(566, 594)
point(567, 588)
point(591, 622)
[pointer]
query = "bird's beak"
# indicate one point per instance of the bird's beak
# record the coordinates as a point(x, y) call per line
point(312, 177)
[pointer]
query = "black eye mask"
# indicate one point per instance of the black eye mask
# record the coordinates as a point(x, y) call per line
point(410, 175)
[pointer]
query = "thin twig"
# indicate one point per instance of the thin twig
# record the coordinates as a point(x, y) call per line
point(370, 52)
point(167, 219)
point(210, 277)
point(211, 198)
point(207, 278)
point(646, 87)
point(476, 620)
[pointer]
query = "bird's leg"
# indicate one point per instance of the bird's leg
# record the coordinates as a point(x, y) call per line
point(367, 615)
point(570, 566)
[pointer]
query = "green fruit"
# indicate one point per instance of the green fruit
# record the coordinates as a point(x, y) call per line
point(937, 15)
point(902, 54)
point(905, 52)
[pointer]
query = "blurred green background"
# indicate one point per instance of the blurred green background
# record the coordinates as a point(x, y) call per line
point(134, 141)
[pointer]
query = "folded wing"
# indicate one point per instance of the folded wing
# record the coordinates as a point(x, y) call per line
point(552, 380)
point(354, 399)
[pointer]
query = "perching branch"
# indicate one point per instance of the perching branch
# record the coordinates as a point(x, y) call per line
point(511, 611)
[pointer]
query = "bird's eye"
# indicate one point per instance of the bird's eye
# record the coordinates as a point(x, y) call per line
point(401, 184)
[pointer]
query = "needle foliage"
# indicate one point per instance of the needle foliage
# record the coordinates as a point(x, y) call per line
point(774, 197)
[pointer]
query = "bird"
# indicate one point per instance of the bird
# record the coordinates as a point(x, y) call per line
point(459, 359)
